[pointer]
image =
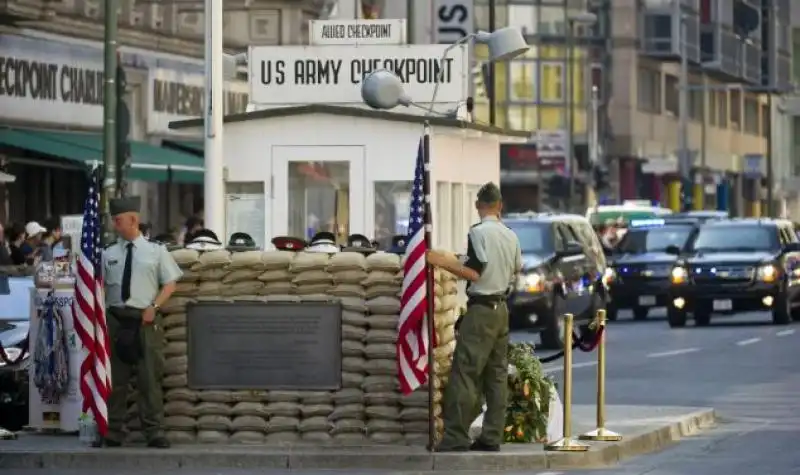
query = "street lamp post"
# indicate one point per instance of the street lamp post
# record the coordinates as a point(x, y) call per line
point(685, 159)
point(573, 19)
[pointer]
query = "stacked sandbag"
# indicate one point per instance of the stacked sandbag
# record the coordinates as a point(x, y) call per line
point(382, 289)
point(241, 278)
point(310, 275)
point(445, 310)
point(284, 410)
point(276, 277)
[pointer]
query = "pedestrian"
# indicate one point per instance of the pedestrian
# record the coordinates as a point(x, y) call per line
point(193, 224)
point(16, 238)
point(480, 366)
point(32, 246)
point(50, 239)
point(135, 326)
point(5, 250)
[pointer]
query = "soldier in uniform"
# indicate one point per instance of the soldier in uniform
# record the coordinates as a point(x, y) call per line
point(480, 367)
point(140, 276)
point(288, 243)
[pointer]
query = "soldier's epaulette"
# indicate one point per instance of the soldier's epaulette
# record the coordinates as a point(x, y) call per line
point(109, 244)
point(155, 242)
point(475, 225)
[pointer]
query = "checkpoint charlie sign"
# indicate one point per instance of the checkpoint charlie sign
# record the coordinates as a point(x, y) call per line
point(283, 75)
point(357, 32)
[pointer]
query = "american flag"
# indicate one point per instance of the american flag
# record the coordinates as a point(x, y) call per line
point(90, 314)
point(413, 342)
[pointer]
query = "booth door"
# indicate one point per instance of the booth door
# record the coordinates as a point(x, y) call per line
point(318, 188)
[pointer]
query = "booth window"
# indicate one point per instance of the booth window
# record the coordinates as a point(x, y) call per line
point(319, 199)
point(392, 206)
point(444, 209)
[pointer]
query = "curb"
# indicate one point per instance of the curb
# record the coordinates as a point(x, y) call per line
point(244, 457)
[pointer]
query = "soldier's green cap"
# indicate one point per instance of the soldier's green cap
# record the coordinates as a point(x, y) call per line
point(489, 193)
point(130, 204)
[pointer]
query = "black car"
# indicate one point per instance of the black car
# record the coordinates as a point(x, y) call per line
point(640, 266)
point(697, 216)
point(15, 301)
point(563, 267)
point(737, 265)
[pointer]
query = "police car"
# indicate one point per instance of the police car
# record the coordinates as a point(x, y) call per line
point(737, 265)
point(563, 266)
point(638, 276)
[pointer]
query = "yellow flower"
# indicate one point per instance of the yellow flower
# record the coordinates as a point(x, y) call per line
point(509, 428)
point(526, 389)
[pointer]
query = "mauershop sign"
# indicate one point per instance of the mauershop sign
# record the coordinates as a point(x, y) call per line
point(173, 96)
point(46, 82)
point(283, 75)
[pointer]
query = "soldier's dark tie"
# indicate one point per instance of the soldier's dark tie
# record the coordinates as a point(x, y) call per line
point(126, 273)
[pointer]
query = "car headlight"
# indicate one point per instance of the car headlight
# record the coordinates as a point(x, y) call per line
point(530, 283)
point(678, 275)
point(12, 354)
point(767, 273)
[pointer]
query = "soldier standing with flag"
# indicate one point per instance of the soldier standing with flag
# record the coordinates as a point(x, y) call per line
point(140, 276)
point(480, 366)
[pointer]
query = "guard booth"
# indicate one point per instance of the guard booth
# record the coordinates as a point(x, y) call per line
point(300, 170)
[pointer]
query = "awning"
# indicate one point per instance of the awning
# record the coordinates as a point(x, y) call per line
point(192, 146)
point(149, 162)
point(7, 178)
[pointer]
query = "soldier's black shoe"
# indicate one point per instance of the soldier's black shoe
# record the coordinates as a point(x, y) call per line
point(107, 443)
point(479, 446)
point(450, 449)
point(159, 443)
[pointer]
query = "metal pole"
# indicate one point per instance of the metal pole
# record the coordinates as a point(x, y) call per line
point(214, 186)
point(685, 166)
point(594, 149)
point(109, 115)
point(770, 171)
point(492, 103)
point(569, 113)
point(411, 17)
point(600, 433)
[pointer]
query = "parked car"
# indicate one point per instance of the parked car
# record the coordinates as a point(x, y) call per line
point(563, 270)
point(15, 296)
point(737, 265)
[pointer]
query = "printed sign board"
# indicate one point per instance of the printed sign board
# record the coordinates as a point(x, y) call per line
point(283, 75)
point(453, 20)
point(357, 32)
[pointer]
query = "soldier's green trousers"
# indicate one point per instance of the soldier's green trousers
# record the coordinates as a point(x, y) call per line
point(480, 369)
point(149, 372)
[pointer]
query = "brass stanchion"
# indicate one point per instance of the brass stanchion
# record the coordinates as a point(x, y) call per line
point(567, 443)
point(601, 433)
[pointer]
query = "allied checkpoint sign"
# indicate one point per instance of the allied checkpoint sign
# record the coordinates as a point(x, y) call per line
point(356, 32)
point(294, 75)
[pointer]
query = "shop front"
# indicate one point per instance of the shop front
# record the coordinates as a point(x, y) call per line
point(51, 98)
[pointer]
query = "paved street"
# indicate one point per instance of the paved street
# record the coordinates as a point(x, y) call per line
point(742, 366)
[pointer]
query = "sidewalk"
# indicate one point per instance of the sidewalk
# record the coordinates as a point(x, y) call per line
point(644, 428)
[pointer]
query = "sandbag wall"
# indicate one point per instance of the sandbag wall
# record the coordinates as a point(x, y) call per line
point(367, 409)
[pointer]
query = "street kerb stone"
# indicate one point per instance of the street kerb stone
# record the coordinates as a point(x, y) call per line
point(650, 429)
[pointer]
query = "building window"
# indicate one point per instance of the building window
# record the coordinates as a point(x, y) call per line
point(796, 55)
point(392, 201)
point(766, 120)
point(551, 81)
point(736, 110)
point(649, 90)
point(751, 119)
point(722, 108)
point(523, 117)
point(713, 108)
point(696, 104)
point(671, 104)
point(523, 81)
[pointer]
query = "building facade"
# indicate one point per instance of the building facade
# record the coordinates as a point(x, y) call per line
point(51, 76)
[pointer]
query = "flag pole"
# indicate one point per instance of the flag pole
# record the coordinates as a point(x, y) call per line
point(429, 288)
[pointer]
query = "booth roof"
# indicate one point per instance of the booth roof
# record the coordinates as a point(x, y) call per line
point(279, 112)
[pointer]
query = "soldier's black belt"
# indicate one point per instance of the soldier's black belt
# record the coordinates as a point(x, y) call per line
point(127, 312)
point(487, 300)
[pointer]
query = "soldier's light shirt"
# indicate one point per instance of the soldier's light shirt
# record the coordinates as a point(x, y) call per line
point(152, 267)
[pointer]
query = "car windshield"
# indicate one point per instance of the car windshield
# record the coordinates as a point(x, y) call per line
point(15, 299)
point(735, 239)
point(533, 237)
point(640, 241)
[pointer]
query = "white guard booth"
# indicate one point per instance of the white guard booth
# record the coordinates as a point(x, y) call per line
point(299, 170)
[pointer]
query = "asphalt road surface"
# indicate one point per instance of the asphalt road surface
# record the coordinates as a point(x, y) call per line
point(746, 368)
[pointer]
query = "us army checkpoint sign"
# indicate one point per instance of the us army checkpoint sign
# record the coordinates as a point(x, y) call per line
point(356, 32)
point(292, 75)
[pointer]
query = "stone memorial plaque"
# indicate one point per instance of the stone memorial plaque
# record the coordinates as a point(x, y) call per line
point(258, 345)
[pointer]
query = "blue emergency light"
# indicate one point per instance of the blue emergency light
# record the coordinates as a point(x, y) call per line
point(647, 223)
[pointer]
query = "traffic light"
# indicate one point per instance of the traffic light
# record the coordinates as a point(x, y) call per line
point(601, 177)
point(123, 122)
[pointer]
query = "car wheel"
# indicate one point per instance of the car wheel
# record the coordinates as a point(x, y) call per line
point(640, 313)
point(552, 335)
point(676, 317)
point(782, 312)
